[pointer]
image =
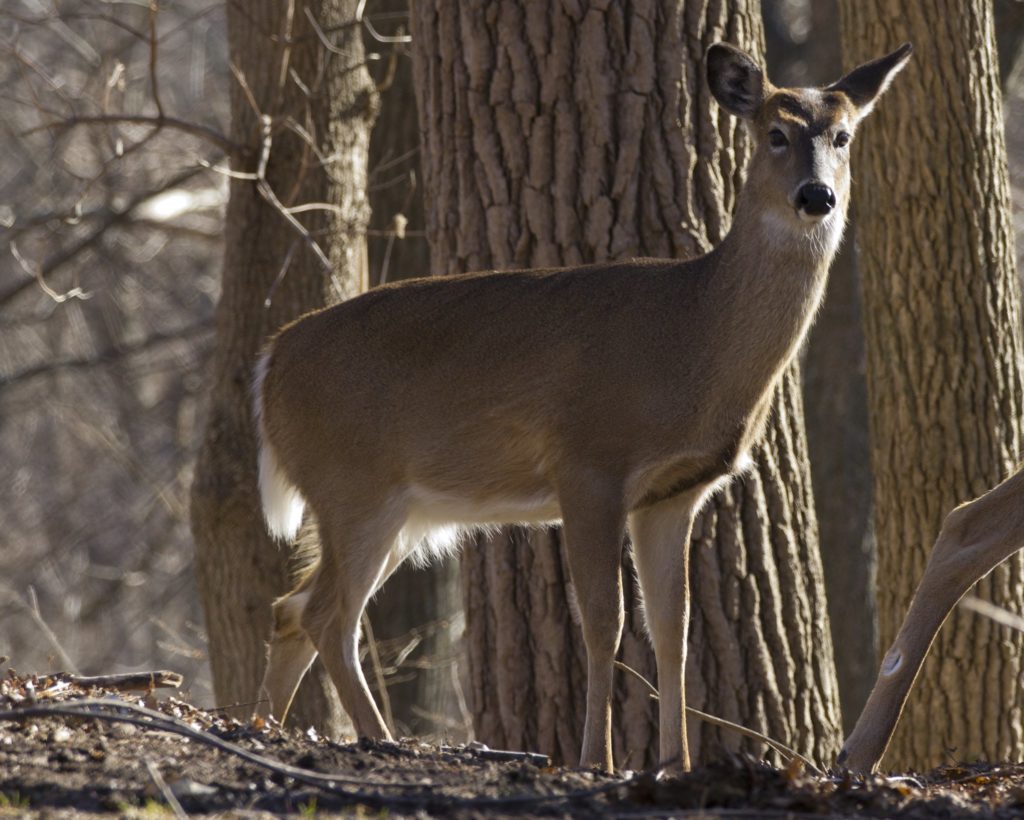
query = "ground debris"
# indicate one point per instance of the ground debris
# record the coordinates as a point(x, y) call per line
point(107, 752)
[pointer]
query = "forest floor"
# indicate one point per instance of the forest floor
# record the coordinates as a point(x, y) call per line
point(71, 751)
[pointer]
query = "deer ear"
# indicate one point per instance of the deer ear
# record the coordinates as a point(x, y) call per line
point(735, 80)
point(865, 84)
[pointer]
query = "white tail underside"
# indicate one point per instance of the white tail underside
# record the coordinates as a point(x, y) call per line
point(282, 503)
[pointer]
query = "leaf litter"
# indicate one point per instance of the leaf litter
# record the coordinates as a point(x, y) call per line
point(74, 749)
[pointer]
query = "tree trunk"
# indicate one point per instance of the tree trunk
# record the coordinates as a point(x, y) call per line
point(563, 135)
point(320, 104)
point(803, 49)
point(942, 320)
point(416, 617)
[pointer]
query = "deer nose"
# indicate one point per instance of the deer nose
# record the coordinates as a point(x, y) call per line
point(815, 199)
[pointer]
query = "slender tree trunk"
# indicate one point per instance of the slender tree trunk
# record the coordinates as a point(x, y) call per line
point(942, 320)
point(416, 617)
point(320, 104)
point(558, 135)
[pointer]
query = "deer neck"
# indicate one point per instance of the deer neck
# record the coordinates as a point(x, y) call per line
point(769, 275)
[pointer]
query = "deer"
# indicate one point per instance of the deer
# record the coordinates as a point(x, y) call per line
point(610, 397)
point(974, 539)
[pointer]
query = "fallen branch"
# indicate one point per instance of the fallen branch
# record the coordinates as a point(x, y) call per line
point(123, 712)
point(158, 679)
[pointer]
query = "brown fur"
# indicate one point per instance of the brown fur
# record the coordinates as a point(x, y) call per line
point(975, 538)
point(605, 395)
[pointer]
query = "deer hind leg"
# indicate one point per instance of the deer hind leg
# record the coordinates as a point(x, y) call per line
point(356, 558)
point(291, 652)
point(661, 536)
point(593, 534)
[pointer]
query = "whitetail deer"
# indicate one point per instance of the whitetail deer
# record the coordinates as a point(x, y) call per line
point(975, 538)
point(605, 396)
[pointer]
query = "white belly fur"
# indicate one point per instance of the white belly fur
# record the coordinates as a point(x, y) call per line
point(437, 522)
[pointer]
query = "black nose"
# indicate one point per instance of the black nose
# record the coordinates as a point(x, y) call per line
point(815, 199)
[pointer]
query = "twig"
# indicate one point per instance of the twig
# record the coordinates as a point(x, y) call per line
point(113, 218)
point(153, 10)
point(168, 795)
point(243, 83)
point(321, 36)
point(1001, 616)
point(535, 758)
point(157, 122)
point(109, 355)
point(32, 607)
point(460, 699)
point(123, 712)
point(280, 274)
point(378, 673)
point(36, 271)
point(268, 193)
point(157, 679)
point(781, 748)
point(380, 38)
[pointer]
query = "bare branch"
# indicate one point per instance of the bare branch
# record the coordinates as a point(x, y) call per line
point(110, 355)
point(158, 122)
point(378, 673)
point(165, 791)
point(36, 272)
point(113, 218)
point(157, 679)
point(285, 265)
point(1000, 615)
point(153, 10)
point(361, 790)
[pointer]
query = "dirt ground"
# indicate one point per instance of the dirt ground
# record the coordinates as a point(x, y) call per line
point(72, 750)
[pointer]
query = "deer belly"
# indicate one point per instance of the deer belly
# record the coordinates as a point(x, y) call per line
point(536, 505)
point(438, 522)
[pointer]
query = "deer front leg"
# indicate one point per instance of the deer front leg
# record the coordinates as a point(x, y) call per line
point(593, 543)
point(661, 542)
point(975, 538)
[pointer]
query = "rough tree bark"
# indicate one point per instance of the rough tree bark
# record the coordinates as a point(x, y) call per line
point(564, 134)
point(835, 390)
point(417, 607)
point(320, 103)
point(942, 320)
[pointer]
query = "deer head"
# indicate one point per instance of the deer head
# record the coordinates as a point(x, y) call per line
point(800, 173)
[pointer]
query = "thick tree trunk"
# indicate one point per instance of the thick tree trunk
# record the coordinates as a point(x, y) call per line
point(320, 104)
point(561, 135)
point(942, 319)
point(803, 49)
point(416, 617)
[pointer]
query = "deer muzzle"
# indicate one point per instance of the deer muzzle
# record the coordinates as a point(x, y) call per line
point(815, 199)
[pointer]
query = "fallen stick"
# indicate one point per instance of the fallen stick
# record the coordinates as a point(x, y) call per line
point(158, 679)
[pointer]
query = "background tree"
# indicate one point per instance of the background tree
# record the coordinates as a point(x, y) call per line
point(417, 616)
point(108, 225)
point(803, 49)
point(942, 320)
point(301, 112)
point(566, 135)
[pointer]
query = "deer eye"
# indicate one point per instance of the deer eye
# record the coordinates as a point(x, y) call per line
point(776, 139)
point(842, 139)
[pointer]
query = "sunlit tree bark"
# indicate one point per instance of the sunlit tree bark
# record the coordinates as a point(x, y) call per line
point(561, 134)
